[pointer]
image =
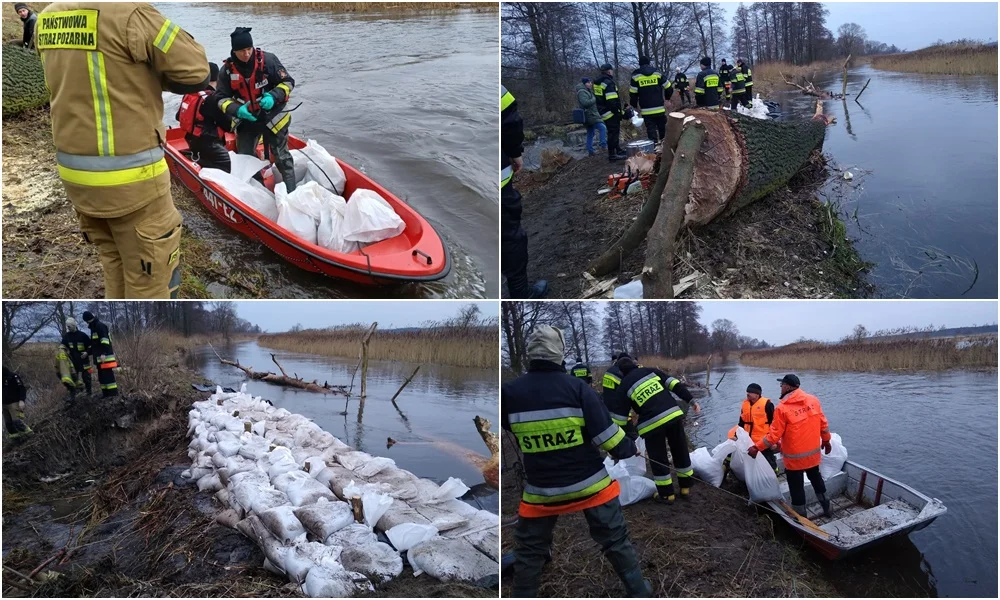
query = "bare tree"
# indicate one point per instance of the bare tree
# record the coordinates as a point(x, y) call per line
point(22, 321)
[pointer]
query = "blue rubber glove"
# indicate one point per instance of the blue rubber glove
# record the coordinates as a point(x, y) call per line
point(267, 101)
point(244, 114)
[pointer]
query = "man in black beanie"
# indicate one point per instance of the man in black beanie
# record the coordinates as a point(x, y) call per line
point(707, 88)
point(28, 17)
point(648, 93)
point(756, 416)
point(254, 87)
point(204, 125)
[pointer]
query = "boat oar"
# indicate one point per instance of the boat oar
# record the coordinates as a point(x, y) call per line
point(803, 520)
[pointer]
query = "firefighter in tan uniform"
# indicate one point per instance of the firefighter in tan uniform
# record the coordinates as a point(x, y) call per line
point(106, 65)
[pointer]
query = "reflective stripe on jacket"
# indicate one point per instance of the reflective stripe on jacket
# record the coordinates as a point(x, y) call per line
point(106, 65)
point(800, 425)
point(754, 418)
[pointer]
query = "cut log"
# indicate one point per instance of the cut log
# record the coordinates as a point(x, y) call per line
point(283, 379)
point(614, 256)
point(657, 277)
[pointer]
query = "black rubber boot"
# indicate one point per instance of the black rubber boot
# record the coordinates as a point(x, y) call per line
point(825, 503)
point(668, 499)
point(635, 585)
point(539, 289)
point(800, 508)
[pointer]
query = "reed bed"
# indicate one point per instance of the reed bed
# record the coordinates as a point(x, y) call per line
point(958, 58)
point(381, 7)
point(457, 346)
point(925, 354)
point(767, 76)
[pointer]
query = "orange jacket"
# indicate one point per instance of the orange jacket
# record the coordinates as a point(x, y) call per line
point(800, 426)
point(754, 418)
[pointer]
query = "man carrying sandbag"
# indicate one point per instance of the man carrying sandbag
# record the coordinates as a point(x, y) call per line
point(802, 429)
point(559, 424)
point(756, 416)
point(14, 395)
point(649, 392)
point(254, 88)
point(66, 373)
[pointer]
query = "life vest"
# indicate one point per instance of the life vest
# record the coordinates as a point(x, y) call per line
point(249, 90)
point(754, 417)
point(191, 119)
point(800, 426)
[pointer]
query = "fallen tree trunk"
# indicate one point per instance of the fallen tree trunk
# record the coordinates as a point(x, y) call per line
point(283, 379)
point(657, 276)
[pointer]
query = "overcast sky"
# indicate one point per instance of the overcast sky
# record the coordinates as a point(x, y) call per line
point(282, 316)
point(908, 25)
point(782, 322)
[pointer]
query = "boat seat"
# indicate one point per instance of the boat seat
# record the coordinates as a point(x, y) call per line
point(870, 523)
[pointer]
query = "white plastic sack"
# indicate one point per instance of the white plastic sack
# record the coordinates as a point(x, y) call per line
point(322, 168)
point(452, 489)
point(630, 291)
point(293, 218)
point(407, 535)
point(243, 166)
point(330, 233)
point(637, 121)
point(324, 518)
point(370, 218)
point(326, 582)
point(740, 456)
point(450, 560)
point(266, 499)
point(256, 197)
point(710, 466)
point(283, 524)
point(380, 562)
point(634, 488)
point(831, 464)
point(757, 472)
point(375, 506)
point(308, 491)
point(209, 483)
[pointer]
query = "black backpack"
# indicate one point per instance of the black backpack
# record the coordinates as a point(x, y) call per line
point(14, 389)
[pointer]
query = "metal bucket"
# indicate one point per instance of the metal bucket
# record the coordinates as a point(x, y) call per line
point(636, 147)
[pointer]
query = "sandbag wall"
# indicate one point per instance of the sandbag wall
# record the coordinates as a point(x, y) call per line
point(286, 484)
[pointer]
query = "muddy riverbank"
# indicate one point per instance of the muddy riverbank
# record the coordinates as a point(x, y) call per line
point(790, 245)
point(120, 519)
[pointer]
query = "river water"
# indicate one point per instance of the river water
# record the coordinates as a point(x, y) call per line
point(936, 432)
point(410, 100)
point(923, 201)
point(439, 404)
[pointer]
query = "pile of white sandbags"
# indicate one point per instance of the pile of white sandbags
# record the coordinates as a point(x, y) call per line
point(284, 482)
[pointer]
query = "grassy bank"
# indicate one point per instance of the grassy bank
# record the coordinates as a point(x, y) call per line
point(958, 58)
point(976, 352)
point(378, 7)
point(460, 347)
point(767, 76)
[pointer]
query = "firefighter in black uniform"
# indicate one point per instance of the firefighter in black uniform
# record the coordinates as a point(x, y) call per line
point(681, 83)
point(513, 239)
point(610, 105)
point(581, 370)
point(648, 92)
point(747, 81)
point(612, 379)
point(725, 78)
point(707, 88)
point(661, 422)
point(14, 395)
point(103, 355)
point(254, 87)
point(205, 125)
point(560, 424)
point(739, 88)
point(77, 344)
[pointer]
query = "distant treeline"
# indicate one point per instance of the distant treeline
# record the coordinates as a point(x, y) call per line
point(964, 57)
point(377, 7)
point(467, 340)
point(881, 354)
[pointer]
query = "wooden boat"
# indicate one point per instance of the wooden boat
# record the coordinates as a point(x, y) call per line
point(416, 255)
point(867, 508)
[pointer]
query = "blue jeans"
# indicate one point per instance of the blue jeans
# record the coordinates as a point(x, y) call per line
point(590, 136)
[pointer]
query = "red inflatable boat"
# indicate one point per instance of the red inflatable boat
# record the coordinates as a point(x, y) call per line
point(417, 254)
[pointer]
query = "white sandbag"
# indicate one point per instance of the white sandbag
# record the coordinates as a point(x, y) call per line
point(354, 460)
point(710, 466)
point(282, 481)
point(324, 518)
point(757, 472)
point(238, 464)
point(254, 448)
point(256, 197)
point(370, 218)
point(259, 428)
point(740, 456)
point(378, 561)
point(634, 488)
point(378, 464)
point(450, 490)
point(301, 164)
point(354, 534)
point(210, 483)
point(284, 465)
point(832, 463)
point(267, 499)
point(243, 167)
point(637, 121)
point(196, 473)
point(407, 535)
point(298, 562)
point(293, 218)
point(323, 168)
point(283, 524)
point(450, 560)
point(271, 567)
point(326, 582)
point(330, 232)
point(228, 518)
point(219, 460)
point(374, 506)
point(309, 491)
point(314, 465)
